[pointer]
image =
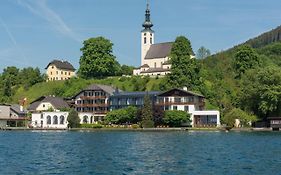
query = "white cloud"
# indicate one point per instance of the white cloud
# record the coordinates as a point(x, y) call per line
point(41, 9)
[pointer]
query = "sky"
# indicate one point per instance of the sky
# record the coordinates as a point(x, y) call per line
point(34, 32)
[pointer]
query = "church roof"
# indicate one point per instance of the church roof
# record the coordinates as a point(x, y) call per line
point(160, 50)
point(61, 65)
point(152, 70)
point(145, 65)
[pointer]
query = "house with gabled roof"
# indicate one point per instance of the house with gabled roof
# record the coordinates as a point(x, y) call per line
point(47, 103)
point(12, 115)
point(59, 70)
point(92, 103)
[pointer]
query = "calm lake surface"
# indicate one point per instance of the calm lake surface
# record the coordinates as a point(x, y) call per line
point(105, 152)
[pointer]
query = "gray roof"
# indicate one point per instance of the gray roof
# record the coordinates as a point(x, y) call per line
point(61, 65)
point(108, 89)
point(145, 65)
point(16, 109)
point(152, 70)
point(57, 102)
point(160, 50)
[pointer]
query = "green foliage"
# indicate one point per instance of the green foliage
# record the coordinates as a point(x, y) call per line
point(261, 91)
point(185, 72)
point(203, 53)
point(135, 126)
point(146, 114)
point(121, 116)
point(176, 118)
point(126, 70)
point(97, 59)
point(12, 78)
point(245, 58)
point(96, 126)
point(73, 119)
point(236, 113)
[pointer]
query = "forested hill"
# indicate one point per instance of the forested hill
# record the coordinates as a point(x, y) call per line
point(224, 88)
point(266, 38)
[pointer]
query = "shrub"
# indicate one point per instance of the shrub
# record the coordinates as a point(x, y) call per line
point(135, 126)
point(91, 126)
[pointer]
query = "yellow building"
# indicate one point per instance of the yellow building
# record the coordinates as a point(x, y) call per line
point(59, 70)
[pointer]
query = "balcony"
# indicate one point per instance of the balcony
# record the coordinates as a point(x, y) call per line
point(170, 103)
point(92, 105)
point(92, 97)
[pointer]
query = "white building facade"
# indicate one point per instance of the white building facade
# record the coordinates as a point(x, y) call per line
point(49, 120)
point(192, 103)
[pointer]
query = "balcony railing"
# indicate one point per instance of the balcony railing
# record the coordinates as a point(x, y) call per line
point(179, 103)
point(92, 97)
point(92, 105)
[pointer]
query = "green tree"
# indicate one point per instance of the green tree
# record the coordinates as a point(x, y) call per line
point(73, 119)
point(185, 71)
point(236, 113)
point(127, 70)
point(11, 73)
point(147, 115)
point(97, 59)
point(176, 118)
point(245, 58)
point(30, 76)
point(261, 92)
point(203, 53)
point(121, 116)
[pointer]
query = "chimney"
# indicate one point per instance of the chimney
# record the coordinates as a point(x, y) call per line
point(21, 108)
point(184, 88)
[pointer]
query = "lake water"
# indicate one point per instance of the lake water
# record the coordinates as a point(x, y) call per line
point(105, 152)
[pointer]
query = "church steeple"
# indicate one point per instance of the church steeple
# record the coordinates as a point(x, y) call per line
point(147, 35)
point(147, 23)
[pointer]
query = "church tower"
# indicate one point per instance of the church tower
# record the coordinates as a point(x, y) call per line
point(147, 34)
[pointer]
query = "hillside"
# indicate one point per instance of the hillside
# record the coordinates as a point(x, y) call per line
point(71, 87)
point(223, 89)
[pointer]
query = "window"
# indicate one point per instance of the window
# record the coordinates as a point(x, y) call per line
point(43, 106)
point(51, 73)
point(52, 67)
point(175, 107)
point(55, 120)
point(61, 119)
point(61, 72)
point(150, 40)
point(186, 108)
point(48, 120)
point(85, 119)
point(144, 34)
point(68, 73)
point(57, 72)
point(144, 40)
point(177, 100)
point(65, 73)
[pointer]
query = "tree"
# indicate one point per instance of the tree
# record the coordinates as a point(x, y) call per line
point(147, 116)
point(30, 76)
point(176, 118)
point(127, 70)
point(121, 116)
point(236, 113)
point(73, 119)
point(203, 53)
point(185, 71)
point(245, 58)
point(158, 115)
point(261, 92)
point(97, 59)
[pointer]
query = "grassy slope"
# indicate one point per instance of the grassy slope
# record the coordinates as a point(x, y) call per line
point(70, 88)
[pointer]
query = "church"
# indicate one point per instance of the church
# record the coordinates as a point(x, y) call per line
point(154, 57)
